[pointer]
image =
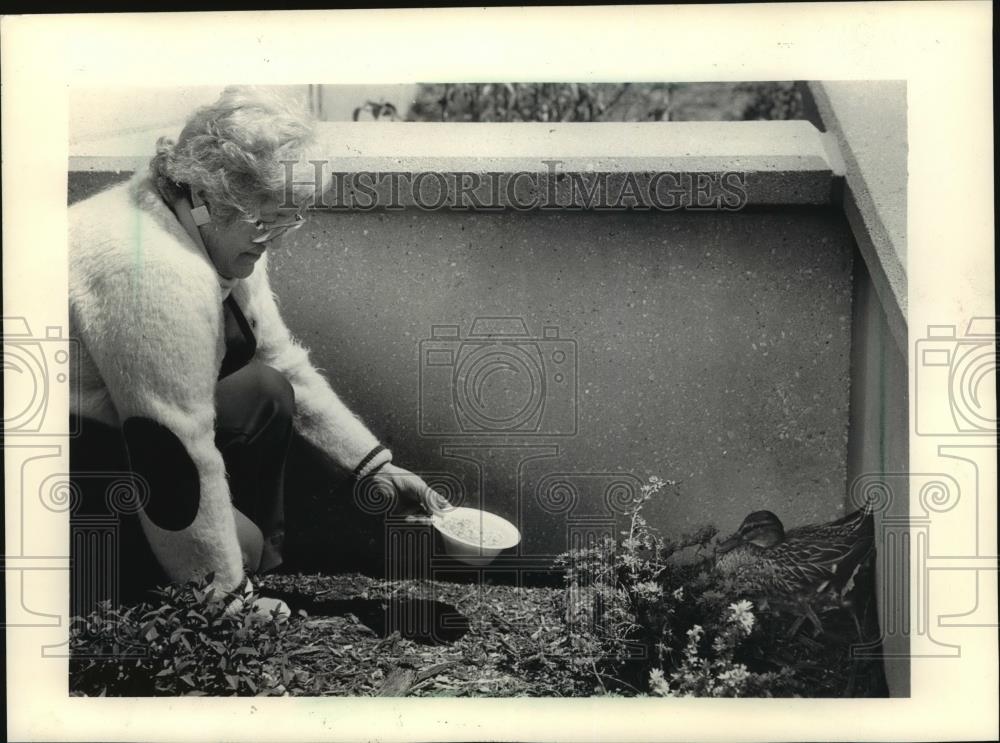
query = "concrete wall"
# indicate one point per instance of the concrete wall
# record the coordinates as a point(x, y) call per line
point(878, 460)
point(714, 350)
point(869, 124)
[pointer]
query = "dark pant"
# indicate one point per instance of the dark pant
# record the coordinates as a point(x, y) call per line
point(110, 557)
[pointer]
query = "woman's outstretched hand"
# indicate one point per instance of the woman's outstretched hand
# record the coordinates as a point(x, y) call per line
point(411, 496)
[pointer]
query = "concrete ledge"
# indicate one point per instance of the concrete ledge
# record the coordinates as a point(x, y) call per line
point(868, 121)
point(781, 162)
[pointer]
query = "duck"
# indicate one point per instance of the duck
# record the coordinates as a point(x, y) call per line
point(807, 566)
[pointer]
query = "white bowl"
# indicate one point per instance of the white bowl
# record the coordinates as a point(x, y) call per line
point(462, 530)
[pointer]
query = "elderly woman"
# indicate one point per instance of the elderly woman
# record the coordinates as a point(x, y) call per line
point(187, 374)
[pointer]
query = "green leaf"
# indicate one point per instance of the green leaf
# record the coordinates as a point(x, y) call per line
point(149, 632)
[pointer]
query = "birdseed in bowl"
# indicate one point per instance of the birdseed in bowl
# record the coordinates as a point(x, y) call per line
point(467, 529)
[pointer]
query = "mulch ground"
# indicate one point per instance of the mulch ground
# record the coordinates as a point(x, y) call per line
point(350, 635)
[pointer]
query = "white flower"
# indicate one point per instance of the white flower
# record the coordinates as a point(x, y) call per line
point(736, 676)
point(658, 684)
point(694, 637)
point(679, 594)
point(742, 613)
point(648, 589)
point(741, 606)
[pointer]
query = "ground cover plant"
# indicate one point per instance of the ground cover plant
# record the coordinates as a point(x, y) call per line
point(183, 640)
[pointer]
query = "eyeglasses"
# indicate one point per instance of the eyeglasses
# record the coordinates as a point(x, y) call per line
point(274, 230)
point(268, 231)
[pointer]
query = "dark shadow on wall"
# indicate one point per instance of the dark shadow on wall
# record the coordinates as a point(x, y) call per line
point(328, 530)
point(878, 462)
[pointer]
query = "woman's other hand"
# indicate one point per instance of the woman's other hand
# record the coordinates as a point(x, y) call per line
point(411, 496)
point(267, 609)
point(262, 608)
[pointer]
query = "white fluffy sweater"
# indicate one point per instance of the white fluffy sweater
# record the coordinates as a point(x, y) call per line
point(146, 312)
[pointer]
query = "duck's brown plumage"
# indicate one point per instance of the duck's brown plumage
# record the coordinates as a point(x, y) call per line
point(808, 560)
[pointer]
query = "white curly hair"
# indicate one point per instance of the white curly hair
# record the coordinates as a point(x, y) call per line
point(235, 151)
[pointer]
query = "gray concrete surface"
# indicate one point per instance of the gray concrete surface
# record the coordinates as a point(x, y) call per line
point(785, 161)
point(713, 350)
point(869, 119)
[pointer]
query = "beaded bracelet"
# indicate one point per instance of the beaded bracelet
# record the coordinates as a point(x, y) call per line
point(375, 460)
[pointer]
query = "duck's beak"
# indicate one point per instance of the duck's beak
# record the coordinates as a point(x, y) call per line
point(727, 545)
